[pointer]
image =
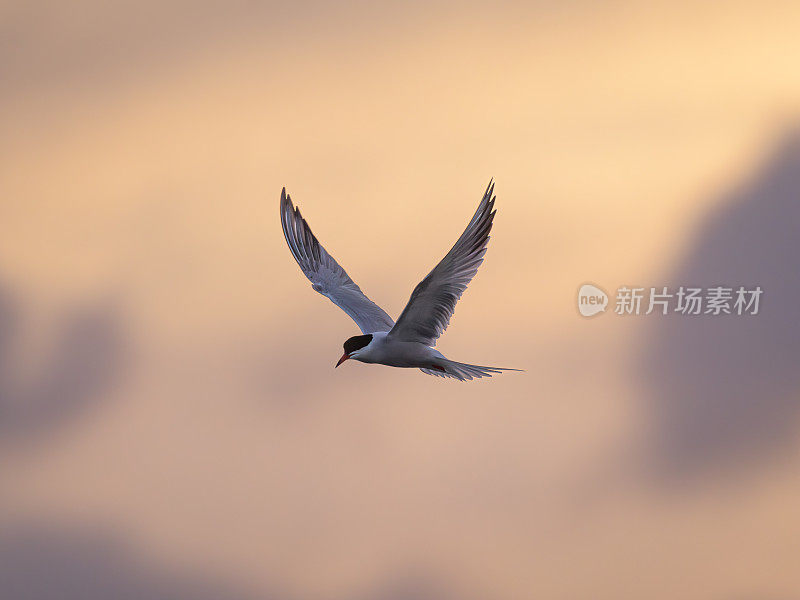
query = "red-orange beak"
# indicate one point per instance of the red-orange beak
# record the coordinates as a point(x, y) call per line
point(341, 360)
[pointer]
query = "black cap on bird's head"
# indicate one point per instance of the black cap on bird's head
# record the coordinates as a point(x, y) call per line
point(356, 342)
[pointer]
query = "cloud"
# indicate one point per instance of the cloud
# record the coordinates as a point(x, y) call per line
point(47, 561)
point(42, 562)
point(724, 390)
point(88, 356)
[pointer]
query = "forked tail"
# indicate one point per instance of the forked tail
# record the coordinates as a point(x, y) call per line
point(462, 371)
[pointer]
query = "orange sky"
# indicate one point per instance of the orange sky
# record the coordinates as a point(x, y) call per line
point(169, 372)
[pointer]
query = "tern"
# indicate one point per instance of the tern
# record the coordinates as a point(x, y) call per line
point(408, 342)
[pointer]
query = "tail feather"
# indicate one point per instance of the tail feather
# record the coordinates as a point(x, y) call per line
point(463, 371)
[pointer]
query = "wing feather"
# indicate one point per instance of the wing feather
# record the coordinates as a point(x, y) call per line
point(326, 275)
point(433, 301)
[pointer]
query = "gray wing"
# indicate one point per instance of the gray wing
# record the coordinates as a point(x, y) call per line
point(325, 274)
point(433, 301)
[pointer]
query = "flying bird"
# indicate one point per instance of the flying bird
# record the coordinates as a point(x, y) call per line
point(408, 342)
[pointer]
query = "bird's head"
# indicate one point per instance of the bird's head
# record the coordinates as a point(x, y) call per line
point(354, 346)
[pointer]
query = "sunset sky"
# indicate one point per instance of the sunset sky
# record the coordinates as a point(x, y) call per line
point(171, 425)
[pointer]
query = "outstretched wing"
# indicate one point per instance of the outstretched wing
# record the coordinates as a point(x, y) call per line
point(325, 274)
point(433, 301)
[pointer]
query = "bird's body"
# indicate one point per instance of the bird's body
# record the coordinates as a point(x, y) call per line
point(385, 350)
point(407, 343)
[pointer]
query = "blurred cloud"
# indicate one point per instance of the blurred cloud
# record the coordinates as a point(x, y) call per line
point(86, 357)
point(43, 562)
point(45, 44)
point(726, 390)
